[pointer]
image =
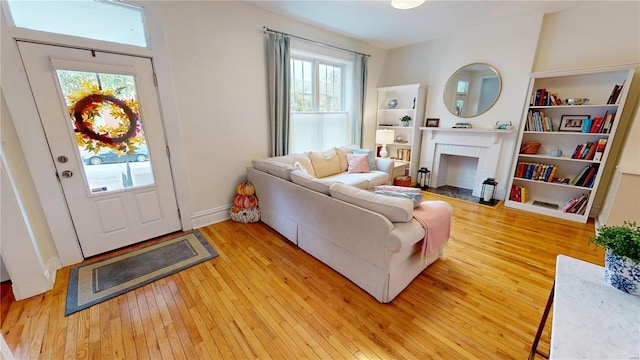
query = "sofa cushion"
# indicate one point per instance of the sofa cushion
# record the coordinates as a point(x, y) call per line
point(404, 189)
point(371, 158)
point(395, 209)
point(305, 180)
point(358, 163)
point(416, 198)
point(325, 163)
point(304, 163)
point(361, 180)
point(275, 168)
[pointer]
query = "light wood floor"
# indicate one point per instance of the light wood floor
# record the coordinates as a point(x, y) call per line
point(263, 298)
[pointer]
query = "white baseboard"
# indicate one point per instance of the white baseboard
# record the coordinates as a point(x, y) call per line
point(207, 217)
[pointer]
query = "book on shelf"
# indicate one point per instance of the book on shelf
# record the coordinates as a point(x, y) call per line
point(596, 124)
point(542, 97)
point(539, 97)
point(519, 194)
point(537, 120)
point(615, 94)
point(606, 124)
point(602, 143)
point(535, 171)
point(585, 151)
point(586, 176)
point(575, 205)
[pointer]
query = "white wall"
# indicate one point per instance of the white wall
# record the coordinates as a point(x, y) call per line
point(27, 248)
point(433, 62)
point(217, 57)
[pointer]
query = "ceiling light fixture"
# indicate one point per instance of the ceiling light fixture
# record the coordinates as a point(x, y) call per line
point(406, 4)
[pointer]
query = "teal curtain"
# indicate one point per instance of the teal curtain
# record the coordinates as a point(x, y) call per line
point(361, 62)
point(278, 73)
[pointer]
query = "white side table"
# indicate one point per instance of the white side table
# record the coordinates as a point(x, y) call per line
point(591, 319)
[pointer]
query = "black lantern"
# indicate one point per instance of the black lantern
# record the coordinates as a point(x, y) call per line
point(488, 192)
point(424, 178)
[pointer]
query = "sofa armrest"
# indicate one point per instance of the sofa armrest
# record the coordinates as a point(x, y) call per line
point(386, 165)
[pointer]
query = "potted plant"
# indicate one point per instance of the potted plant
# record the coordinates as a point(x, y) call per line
point(622, 256)
point(405, 120)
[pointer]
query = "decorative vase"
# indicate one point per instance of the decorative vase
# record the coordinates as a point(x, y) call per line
point(622, 273)
point(405, 123)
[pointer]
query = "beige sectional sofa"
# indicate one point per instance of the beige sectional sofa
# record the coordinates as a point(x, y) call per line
point(371, 239)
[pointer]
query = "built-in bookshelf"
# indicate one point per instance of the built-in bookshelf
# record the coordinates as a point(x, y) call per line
point(395, 102)
point(571, 118)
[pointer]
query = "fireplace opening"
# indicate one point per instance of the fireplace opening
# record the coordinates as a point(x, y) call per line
point(457, 171)
point(457, 175)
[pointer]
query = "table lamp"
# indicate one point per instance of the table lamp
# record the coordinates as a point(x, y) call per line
point(384, 137)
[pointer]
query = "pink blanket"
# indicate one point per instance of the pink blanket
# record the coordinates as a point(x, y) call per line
point(435, 218)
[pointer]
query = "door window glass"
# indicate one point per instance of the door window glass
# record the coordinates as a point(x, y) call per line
point(100, 20)
point(108, 131)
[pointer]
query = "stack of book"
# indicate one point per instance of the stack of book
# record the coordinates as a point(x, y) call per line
point(538, 121)
point(585, 151)
point(519, 194)
point(533, 171)
point(602, 124)
point(590, 150)
point(576, 205)
point(615, 93)
point(602, 143)
point(586, 177)
point(544, 98)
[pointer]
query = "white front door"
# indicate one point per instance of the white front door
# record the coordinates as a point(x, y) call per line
point(102, 121)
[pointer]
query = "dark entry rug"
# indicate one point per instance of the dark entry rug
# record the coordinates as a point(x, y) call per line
point(95, 282)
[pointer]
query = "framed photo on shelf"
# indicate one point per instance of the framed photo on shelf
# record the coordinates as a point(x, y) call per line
point(572, 122)
point(432, 122)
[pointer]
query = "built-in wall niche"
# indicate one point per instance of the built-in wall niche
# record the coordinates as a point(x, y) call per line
point(458, 171)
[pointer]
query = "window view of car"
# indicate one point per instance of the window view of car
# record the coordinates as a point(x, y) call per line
point(108, 156)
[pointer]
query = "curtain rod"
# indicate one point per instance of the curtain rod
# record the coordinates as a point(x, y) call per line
point(266, 29)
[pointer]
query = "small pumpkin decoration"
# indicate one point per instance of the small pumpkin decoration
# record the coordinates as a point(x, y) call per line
point(245, 204)
point(245, 188)
point(245, 201)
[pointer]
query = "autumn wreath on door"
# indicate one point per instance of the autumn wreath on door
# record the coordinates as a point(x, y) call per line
point(90, 103)
point(245, 204)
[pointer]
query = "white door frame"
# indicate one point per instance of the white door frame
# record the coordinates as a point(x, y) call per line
point(27, 123)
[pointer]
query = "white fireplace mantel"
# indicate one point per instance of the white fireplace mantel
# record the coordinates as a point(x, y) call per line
point(483, 144)
point(496, 132)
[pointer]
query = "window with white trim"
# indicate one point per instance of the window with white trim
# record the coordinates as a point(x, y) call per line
point(321, 100)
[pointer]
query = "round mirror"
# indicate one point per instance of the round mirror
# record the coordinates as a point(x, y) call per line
point(472, 90)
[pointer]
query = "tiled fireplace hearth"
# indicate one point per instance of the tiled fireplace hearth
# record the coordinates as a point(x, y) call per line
point(438, 144)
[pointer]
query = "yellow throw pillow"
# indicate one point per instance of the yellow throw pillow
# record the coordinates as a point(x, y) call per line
point(304, 163)
point(325, 163)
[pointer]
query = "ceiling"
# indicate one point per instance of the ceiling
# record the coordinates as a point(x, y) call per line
point(377, 23)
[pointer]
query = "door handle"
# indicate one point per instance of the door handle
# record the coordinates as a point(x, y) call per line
point(67, 174)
